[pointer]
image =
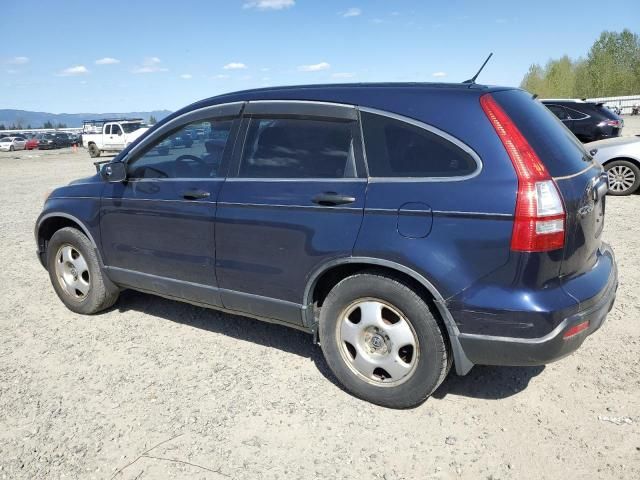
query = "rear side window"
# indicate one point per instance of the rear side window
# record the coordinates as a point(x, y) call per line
point(298, 148)
point(399, 149)
point(560, 151)
point(559, 111)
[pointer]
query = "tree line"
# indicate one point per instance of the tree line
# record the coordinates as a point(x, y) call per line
point(611, 68)
point(20, 126)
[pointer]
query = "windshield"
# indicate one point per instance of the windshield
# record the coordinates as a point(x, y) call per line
point(6, 140)
point(131, 127)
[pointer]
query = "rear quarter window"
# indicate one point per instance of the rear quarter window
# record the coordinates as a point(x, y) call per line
point(560, 151)
point(396, 148)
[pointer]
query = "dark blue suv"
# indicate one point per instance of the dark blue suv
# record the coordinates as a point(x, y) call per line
point(408, 227)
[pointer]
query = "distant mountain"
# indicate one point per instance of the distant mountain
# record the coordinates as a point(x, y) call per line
point(37, 119)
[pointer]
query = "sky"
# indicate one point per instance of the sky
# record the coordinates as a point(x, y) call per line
point(74, 56)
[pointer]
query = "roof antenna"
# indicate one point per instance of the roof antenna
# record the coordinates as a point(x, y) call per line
point(472, 80)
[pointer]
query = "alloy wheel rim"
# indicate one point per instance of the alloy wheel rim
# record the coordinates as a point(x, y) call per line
point(621, 178)
point(72, 272)
point(377, 342)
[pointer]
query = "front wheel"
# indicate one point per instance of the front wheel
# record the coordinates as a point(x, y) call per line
point(76, 275)
point(11, 149)
point(623, 177)
point(382, 342)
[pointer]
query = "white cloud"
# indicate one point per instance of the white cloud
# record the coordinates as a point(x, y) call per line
point(12, 71)
point(377, 21)
point(439, 74)
point(107, 61)
point(150, 65)
point(501, 20)
point(73, 71)
point(234, 66)
point(220, 76)
point(264, 69)
point(343, 75)
point(316, 67)
point(270, 4)
point(352, 12)
point(186, 76)
point(18, 60)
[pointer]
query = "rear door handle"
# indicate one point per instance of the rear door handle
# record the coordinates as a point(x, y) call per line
point(195, 194)
point(332, 199)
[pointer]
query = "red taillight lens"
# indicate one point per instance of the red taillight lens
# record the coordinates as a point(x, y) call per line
point(576, 329)
point(539, 216)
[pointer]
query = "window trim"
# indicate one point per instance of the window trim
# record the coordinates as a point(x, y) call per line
point(220, 111)
point(298, 109)
point(430, 128)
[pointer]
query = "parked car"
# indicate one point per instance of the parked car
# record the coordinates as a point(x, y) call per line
point(9, 144)
point(588, 121)
point(32, 143)
point(50, 141)
point(621, 160)
point(360, 214)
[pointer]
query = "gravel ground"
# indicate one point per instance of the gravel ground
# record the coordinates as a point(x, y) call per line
point(160, 389)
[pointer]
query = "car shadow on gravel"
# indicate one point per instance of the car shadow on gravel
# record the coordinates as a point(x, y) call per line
point(489, 383)
point(481, 382)
point(236, 326)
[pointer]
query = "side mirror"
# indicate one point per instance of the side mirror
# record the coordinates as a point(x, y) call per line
point(119, 133)
point(114, 172)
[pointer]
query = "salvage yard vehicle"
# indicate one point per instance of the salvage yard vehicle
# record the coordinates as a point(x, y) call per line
point(360, 214)
point(112, 135)
point(50, 141)
point(9, 144)
point(621, 160)
point(589, 121)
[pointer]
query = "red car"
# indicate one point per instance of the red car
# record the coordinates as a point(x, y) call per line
point(32, 143)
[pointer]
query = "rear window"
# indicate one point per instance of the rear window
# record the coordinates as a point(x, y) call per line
point(560, 151)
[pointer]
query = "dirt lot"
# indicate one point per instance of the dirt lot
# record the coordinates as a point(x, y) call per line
point(160, 389)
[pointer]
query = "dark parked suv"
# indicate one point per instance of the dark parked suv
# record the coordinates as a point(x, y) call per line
point(589, 121)
point(408, 227)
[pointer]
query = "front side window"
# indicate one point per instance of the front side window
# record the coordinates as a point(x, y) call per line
point(116, 130)
point(298, 148)
point(396, 148)
point(181, 154)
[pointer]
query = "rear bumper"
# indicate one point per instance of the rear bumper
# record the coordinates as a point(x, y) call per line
point(494, 350)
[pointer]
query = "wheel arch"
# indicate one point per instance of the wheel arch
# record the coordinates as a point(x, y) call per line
point(330, 273)
point(635, 161)
point(50, 223)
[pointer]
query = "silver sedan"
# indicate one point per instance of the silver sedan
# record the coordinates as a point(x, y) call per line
point(621, 159)
point(10, 144)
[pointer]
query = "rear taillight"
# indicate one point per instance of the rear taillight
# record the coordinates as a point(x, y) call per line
point(539, 216)
point(610, 123)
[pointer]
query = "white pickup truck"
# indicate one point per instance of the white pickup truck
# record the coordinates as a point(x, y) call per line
point(110, 135)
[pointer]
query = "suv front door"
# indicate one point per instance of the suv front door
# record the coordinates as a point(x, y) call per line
point(157, 227)
point(293, 201)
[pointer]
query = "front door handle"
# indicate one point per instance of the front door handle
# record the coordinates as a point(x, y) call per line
point(195, 194)
point(332, 199)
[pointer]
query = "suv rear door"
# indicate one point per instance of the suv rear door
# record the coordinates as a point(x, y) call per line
point(293, 201)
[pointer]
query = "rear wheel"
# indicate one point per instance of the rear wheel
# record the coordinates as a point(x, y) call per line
point(623, 177)
point(76, 275)
point(94, 151)
point(382, 342)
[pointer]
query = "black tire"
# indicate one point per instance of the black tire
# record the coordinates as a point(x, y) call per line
point(101, 292)
point(11, 149)
point(94, 151)
point(621, 167)
point(433, 360)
